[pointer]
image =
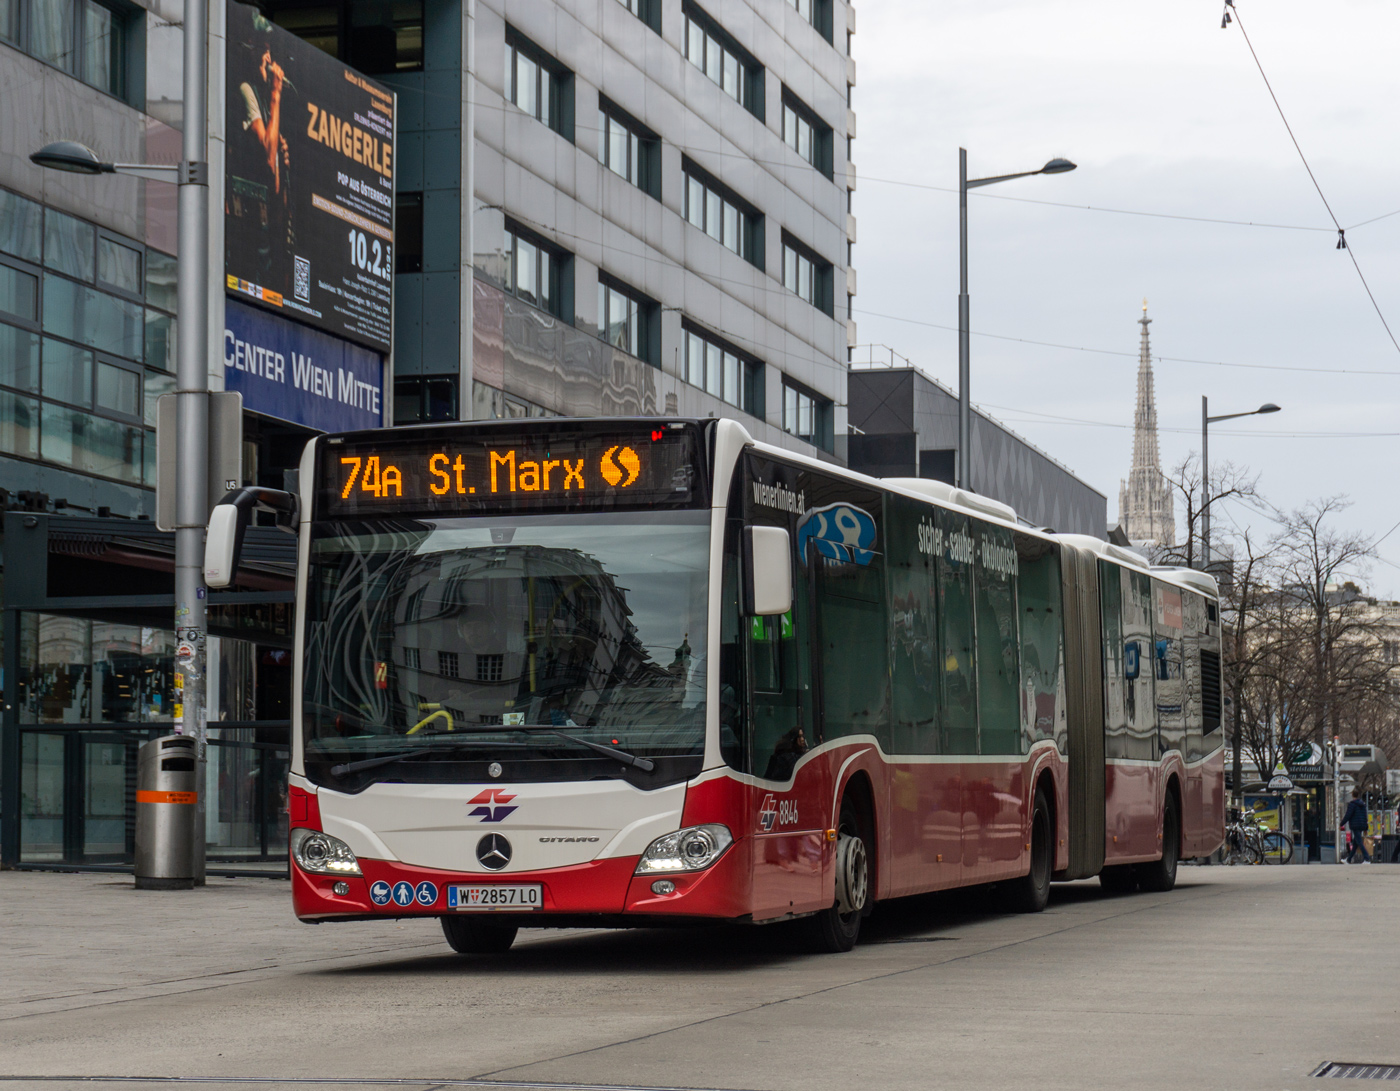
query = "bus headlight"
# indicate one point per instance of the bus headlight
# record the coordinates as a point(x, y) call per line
point(321, 854)
point(692, 849)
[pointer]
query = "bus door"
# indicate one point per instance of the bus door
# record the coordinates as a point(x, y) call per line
point(791, 802)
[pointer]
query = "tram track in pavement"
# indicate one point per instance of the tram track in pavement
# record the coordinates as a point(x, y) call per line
point(906, 940)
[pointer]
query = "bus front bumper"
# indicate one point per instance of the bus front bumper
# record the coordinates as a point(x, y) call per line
point(598, 892)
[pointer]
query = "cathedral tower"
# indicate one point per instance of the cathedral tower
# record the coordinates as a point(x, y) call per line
point(1145, 508)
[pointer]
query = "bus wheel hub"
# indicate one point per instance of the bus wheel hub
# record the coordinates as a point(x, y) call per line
point(852, 874)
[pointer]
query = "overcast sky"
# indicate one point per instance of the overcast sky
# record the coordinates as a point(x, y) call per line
point(1164, 112)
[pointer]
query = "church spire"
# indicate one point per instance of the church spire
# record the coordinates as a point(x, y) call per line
point(1145, 508)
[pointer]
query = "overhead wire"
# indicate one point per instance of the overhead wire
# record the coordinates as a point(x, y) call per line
point(1341, 231)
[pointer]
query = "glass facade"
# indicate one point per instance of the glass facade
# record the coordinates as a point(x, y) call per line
point(91, 692)
point(87, 325)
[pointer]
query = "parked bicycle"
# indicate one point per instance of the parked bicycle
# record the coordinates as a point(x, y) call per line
point(1247, 842)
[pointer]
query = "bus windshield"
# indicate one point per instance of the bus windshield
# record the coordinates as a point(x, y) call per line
point(425, 632)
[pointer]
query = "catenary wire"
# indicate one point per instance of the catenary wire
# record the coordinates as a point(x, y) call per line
point(1341, 231)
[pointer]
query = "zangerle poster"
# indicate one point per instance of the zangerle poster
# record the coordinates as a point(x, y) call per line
point(309, 195)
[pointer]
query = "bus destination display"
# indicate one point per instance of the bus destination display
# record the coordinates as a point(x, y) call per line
point(657, 467)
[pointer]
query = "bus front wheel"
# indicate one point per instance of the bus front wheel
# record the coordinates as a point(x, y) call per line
point(835, 929)
point(473, 936)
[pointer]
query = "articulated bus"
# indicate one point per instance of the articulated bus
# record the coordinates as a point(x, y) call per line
point(641, 672)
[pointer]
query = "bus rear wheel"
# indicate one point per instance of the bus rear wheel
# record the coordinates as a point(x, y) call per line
point(473, 936)
point(1159, 876)
point(1031, 892)
point(836, 929)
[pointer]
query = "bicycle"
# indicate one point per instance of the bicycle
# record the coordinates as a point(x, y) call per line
point(1276, 847)
point(1243, 843)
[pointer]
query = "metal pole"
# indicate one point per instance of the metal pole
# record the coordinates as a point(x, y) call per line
point(192, 409)
point(467, 296)
point(964, 364)
point(1337, 793)
point(1205, 484)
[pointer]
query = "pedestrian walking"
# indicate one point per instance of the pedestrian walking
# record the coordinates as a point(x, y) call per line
point(1355, 820)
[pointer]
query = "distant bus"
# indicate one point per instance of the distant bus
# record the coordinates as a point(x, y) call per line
point(638, 672)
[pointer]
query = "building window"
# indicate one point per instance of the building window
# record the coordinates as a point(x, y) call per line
point(648, 11)
point(425, 399)
point(628, 148)
point(82, 37)
point(806, 134)
point(722, 215)
point(489, 668)
point(627, 320)
point(719, 369)
point(716, 54)
point(410, 658)
point(538, 273)
point(816, 12)
point(408, 233)
point(376, 39)
point(807, 416)
point(807, 275)
point(538, 84)
point(447, 664)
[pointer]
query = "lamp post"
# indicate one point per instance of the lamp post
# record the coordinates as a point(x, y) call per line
point(191, 175)
point(1054, 166)
point(1206, 421)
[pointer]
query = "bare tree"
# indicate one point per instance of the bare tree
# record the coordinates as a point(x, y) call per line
point(1227, 482)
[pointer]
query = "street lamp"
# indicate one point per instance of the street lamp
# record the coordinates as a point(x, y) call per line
point(1055, 166)
point(191, 377)
point(1206, 421)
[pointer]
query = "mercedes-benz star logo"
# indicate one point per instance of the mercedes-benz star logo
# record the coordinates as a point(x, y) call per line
point(493, 852)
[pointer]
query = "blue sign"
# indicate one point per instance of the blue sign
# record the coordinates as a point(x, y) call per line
point(379, 893)
point(841, 533)
point(298, 374)
point(1132, 660)
point(403, 893)
point(426, 893)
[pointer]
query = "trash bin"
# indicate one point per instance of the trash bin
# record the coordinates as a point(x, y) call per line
point(166, 794)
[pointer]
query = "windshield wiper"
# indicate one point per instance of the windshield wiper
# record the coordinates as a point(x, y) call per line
point(646, 765)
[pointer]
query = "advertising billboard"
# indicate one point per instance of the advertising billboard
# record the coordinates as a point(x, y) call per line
point(309, 197)
point(288, 371)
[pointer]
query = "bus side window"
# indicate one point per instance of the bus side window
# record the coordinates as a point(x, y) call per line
point(1119, 692)
point(913, 621)
point(955, 630)
point(780, 670)
point(998, 666)
point(1038, 597)
point(1139, 693)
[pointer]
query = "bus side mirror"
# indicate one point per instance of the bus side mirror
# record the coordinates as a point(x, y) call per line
point(229, 521)
point(767, 571)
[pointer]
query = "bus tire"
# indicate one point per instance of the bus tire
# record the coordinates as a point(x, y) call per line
point(1159, 876)
point(836, 929)
point(471, 936)
point(1119, 879)
point(1031, 892)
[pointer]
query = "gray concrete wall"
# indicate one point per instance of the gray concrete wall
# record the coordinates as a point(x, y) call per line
point(897, 401)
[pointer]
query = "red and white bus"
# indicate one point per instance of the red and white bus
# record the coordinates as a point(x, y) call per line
point(637, 672)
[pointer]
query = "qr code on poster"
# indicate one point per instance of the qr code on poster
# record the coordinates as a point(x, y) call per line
point(302, 280)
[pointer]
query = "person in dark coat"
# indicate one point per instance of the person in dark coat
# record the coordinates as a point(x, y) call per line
point(1355, 820)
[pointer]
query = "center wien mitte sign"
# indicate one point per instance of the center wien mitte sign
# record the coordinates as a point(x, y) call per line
point(300, 375)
